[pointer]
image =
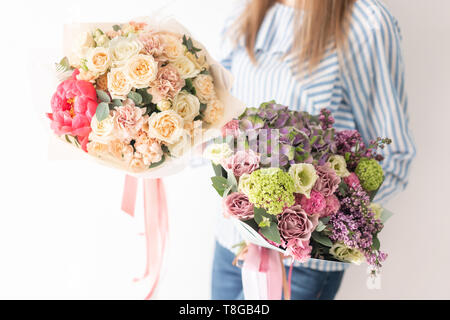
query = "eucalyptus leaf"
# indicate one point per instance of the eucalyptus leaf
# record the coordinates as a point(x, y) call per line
point(103, 96)
point(146, 97)
point(217, 169)
point(102, 111)
point(385, 215)
point(320, 227)
point(272, 233)
point(220, 184)
point(323, 240)
point(116, 27)
point(232, 181)
point(376, 243)
point(116, 103)
point(136, 97)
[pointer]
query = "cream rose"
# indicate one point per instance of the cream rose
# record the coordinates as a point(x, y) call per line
point(204, 87)
point(141, 70)
point(119, 85)
point(165, 126)
point(83, 42)
point(199, 61)
point(98, 60)
point(102, 131)
point(186, 105)
point(164, 105)
point(214, 110)
point(185, 67)
point(122, 49)
point(173, 47)
point(181, 146)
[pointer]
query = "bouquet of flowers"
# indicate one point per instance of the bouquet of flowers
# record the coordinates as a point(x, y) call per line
point(137, 94)
point(296, 185)
point(137, 97)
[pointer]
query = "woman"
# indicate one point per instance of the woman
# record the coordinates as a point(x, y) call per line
point(343, 55)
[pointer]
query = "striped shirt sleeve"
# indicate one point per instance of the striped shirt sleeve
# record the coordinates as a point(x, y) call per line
point(374, 86)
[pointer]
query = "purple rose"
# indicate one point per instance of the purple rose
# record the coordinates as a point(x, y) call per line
point(328, 180)
point(295, 224)
point(242, 162)
point(237, 205)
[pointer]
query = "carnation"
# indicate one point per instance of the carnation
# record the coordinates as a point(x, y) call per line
point(299, 250)
point(352, 180)
point(332, 206)
point(238, 206)
point(314, 204)
point(328, 181)
point(370, 174)
point(242, 162)
point(271, 189)
point(231, 128)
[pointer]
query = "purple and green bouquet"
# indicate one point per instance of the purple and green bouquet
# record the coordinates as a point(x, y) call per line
point(295, 184)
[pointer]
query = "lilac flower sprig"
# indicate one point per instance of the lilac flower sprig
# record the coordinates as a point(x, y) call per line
point(355, 225)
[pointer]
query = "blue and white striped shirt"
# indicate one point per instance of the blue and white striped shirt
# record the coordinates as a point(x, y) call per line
point(364, 88)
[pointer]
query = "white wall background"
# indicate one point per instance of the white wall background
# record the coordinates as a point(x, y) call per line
point(62, 234)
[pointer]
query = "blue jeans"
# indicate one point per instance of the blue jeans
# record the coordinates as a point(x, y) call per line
point(307, 284)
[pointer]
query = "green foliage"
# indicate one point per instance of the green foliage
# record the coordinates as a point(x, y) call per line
point(136, 97)
point(187, 42)
point(189, 87)
point(220, 184)
point(102, 111)
point(322, 239)
point(156, 164)
point(103, 96)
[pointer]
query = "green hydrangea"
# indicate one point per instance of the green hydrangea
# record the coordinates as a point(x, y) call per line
point(271, 189)
point(370, 174)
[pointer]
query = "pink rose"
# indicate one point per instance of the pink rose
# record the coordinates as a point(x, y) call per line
point(352, 180)
point(299, 250)
point(237, 205)
point(295, 224)
point(315, 204)
point(231, 128)
point(242, 162)
point(153, 44)
point(167, 84)
point(332, 206)
point(328, 180)
point(73, 104)
point(128, 119)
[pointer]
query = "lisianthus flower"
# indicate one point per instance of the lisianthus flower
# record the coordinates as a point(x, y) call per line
point(217, 152)
point(339, 165)
point(343, 253)
point(304, 176)
point(74, 104)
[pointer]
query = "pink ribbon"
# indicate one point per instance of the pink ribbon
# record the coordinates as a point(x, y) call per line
point(155, 221)
point(262, 274)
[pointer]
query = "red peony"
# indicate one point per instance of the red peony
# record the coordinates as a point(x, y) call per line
point(74, 104)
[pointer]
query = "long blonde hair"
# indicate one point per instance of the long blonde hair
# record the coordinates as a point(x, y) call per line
point(322, 21)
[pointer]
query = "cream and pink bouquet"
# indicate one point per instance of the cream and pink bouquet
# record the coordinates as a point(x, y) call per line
point(296, 185)
point(139, 94)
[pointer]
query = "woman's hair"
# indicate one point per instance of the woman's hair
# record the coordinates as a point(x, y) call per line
point(317, 23)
